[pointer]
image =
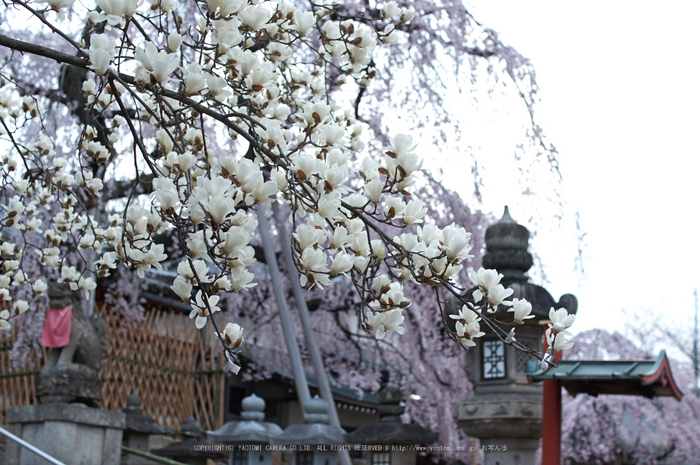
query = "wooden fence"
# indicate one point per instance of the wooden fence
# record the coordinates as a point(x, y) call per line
point(16, 385)
point(175, 368)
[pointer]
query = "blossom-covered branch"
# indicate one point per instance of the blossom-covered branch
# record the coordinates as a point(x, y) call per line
point(222, 106)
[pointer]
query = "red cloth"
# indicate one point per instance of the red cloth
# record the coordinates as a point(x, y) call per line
point(57, 327)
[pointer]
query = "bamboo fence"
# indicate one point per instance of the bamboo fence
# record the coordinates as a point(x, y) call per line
point(16, 384)
point(175, 368)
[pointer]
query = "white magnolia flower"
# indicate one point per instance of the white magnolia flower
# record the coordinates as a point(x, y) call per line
point(164, 140)
point(200, 268)
point(381, 284)
point(328, 205)
point(112, 11)
point(308, 235)
point(86, 285)
point(407, 15)
point(342, 263)
point(414, 212)
point(4, 316)
point(195, 79)
point(466, 316)
point(182, 288)
point(223, 284)
point(68, 275)
point(101, 53)
point(378, 249)
point(58, 5)
point(20, 306)
point(202, 307)
point(390, 37)
point(233, 335)
point(484, 279)
point(455, 241)
point(466, 333)
point(393, 297)
point(242, 279)
point(374, 189)
point(496, 295)
point(225, 8)
point(394, 208)
point(521, 309)
point(304, 21)
point(39, 286)
point(385, 321)
point(280, 179)
point(165, 193)
point(129, 7)
point(557, 341)
point(254, 16)
point(174, 42)
point(393, 321)
point(158, 64)
point(313, 264)
point(390, 9)
point(560, 319)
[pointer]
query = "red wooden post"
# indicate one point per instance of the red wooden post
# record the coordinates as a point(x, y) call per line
point(551, 418)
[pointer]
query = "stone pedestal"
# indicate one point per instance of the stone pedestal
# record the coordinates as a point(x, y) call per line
point(515, 415)
point(509, 426)
point(71, 433)
point(79, 384)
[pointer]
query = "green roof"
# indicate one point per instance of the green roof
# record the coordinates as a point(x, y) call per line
point(649, 378)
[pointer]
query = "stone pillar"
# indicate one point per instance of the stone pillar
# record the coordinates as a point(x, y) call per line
point(73, 434)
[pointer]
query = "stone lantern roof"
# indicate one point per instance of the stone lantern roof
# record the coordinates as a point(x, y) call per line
point(507, 252)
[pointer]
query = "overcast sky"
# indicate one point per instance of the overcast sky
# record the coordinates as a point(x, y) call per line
point(621, 99)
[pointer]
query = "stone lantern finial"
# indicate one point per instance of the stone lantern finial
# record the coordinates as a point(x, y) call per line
point(316, 410)
point(253, 408)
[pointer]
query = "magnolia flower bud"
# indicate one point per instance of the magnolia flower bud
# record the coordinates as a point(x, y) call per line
point(174, 42)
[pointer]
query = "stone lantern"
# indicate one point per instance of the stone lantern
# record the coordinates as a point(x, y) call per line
point(250, 438)
point(398, 440)
point(316, 442)
point(139, 428)
point(192, 449)
point(505, 412)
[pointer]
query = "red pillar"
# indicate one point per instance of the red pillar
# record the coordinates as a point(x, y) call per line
point(551, 419)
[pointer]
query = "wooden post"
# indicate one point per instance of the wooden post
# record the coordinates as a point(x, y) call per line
point(551, 417)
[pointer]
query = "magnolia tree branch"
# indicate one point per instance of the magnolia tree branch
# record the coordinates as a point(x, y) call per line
point(46, 52)
point(174, 97)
